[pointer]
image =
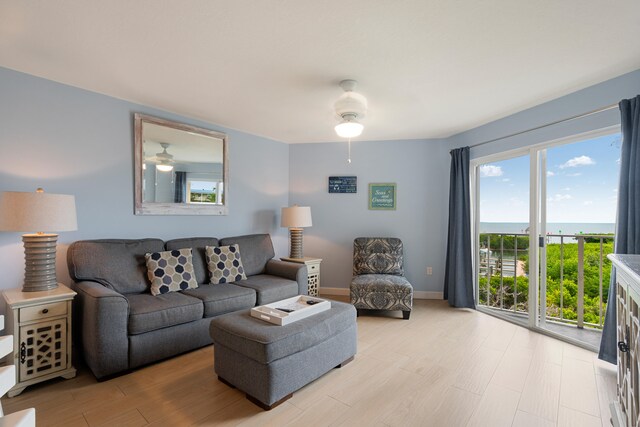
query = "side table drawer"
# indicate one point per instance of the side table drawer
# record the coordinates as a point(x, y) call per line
point(43, 311)
point(313, 268)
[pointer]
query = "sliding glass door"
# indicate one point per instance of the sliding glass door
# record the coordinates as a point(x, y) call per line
point(544, 223)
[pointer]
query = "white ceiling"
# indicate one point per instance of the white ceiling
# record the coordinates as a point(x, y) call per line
point(428, 68)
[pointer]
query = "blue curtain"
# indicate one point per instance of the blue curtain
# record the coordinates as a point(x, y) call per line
point(628, 222)
point(458, 276)
point(180, 187)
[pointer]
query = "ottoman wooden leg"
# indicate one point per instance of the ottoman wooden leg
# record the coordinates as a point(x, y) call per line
point(406, 314)
point(344, 363)
point(268, 407)
point(223, 381)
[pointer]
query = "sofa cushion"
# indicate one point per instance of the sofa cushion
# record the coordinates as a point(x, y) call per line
point(225, 264)
point(270, 288)
point(148, 313)
point(223, 298)
point(170, 271)
point(118, 264)
point(256, 250)
point(197, 245)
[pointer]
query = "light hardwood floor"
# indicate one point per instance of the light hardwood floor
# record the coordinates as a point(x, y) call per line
point(444, 367)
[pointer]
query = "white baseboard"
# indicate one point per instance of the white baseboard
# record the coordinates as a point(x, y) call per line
point(416, 294)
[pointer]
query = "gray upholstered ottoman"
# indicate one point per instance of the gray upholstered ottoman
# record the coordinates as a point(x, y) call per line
point(270, 362)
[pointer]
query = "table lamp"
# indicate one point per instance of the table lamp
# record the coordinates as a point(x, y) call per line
point(38, 212)
point(296, 217)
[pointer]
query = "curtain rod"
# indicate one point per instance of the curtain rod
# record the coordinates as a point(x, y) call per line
point(599, 110)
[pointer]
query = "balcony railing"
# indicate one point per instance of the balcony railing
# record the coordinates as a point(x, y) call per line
point(577, 280)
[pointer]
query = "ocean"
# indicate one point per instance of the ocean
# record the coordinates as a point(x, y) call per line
point(552, 227)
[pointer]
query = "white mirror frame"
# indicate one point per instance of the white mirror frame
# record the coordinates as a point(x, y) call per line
point(151, 208)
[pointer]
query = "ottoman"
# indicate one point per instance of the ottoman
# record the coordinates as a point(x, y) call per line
point(269, 362)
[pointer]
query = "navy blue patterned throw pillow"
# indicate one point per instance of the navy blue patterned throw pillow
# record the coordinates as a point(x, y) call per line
point(225, 264)
point(170, 271)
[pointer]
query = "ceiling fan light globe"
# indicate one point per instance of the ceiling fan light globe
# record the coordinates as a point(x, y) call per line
point(164, 168)
point(349, 129)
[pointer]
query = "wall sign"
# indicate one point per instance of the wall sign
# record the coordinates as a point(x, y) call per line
point(343, 184)
point(382, 196)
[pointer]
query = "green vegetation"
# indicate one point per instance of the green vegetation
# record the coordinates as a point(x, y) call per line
point(203, 197)
point(565, 295)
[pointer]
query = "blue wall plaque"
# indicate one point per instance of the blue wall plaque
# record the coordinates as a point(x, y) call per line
point(343, 184)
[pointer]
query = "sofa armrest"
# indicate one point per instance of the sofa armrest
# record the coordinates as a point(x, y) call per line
point(102, 315)
point(291, 271)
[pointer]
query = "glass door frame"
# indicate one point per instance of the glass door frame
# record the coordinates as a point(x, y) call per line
point(537, 220)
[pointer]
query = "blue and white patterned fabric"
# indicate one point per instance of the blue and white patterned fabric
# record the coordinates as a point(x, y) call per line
point(379, 282)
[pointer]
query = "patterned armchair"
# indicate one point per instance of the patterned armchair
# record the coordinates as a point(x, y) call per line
point(378, 276)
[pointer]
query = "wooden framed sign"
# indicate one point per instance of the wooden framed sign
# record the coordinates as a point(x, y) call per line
point(382, 196)
point(343, 184)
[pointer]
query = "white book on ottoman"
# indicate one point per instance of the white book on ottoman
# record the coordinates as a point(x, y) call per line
point(290, 310)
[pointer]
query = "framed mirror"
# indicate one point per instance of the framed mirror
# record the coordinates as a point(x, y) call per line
point(179, 169)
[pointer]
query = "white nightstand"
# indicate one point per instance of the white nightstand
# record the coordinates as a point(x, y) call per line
point(41, 326)
point(313, 271)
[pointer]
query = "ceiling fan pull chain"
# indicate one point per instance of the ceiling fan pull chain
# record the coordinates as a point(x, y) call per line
point(349, 159)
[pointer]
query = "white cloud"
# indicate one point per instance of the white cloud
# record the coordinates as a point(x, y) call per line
point(490, 170)
point(559, 198)
point(574, 174)
point(578, 161)
point(587, 202)
point(550, 173)
point(566, 189)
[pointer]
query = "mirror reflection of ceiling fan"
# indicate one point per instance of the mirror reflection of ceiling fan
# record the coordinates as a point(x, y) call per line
point(164, 161)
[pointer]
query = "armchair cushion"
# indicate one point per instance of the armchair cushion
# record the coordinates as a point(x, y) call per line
point(381, 292)
point(377, 255)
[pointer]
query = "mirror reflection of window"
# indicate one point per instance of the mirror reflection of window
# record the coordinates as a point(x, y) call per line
point(203, 191)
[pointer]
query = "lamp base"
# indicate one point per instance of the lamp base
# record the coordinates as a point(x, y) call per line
point(296, 243)
point(40, 262)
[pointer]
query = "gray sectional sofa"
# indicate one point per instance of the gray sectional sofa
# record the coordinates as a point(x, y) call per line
point(120, 325)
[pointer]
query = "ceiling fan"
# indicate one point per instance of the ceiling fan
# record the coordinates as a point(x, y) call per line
point(164, 161)
point(350, 108)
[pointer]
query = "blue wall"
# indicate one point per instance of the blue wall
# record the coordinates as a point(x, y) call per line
point(585, 100)
point(73, 141)
point(420, 168)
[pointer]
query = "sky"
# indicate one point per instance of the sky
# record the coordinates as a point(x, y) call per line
point(582, 184)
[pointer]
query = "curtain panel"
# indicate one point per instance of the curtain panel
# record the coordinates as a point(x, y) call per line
point(458, 279)
point(628, 221)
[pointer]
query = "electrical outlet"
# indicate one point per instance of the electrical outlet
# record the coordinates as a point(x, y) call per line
point(429, 271)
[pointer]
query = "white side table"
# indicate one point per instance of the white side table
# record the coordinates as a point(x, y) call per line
point(313, 271)
point(41, 326)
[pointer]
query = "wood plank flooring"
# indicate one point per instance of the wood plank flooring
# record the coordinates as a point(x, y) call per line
point(444, 367)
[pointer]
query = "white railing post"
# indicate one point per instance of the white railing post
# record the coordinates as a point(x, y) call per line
point(580, 282)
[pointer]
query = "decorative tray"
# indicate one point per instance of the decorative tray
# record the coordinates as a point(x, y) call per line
point(290, 310)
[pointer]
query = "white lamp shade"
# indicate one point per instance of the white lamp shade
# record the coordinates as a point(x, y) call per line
point(349, 129)
point(296, 217)
point(37, 212)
